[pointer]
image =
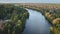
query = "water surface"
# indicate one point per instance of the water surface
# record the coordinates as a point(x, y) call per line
point(36, 24)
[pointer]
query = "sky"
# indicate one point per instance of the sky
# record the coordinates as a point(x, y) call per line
point(30, 1)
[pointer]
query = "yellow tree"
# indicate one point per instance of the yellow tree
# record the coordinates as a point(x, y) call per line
point(56, 21)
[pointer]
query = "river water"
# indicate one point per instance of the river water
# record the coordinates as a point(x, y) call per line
point(36, 24)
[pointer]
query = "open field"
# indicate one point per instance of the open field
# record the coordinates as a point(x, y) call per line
point(41, 5)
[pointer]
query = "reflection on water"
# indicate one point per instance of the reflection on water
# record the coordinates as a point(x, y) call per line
point(36, 24)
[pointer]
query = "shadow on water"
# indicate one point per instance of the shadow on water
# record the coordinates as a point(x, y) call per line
point(36, 24)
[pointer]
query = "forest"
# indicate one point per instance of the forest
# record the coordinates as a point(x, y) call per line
point(14, 19)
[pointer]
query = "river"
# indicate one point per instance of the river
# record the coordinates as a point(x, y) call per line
point(36, 24)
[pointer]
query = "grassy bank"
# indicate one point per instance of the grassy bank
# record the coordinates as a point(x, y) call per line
point(16, 17)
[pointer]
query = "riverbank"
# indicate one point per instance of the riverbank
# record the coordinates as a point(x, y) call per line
point(36, 24)
point(54, 19)
point(17, 17)
point(52, 15)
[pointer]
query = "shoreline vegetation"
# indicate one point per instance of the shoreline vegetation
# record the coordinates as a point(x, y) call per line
point(52, 15)
point(15, 17)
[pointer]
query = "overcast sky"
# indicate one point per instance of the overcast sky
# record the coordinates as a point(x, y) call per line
point(30, 1)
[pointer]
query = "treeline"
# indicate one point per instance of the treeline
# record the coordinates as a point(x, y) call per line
point(17, 18)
